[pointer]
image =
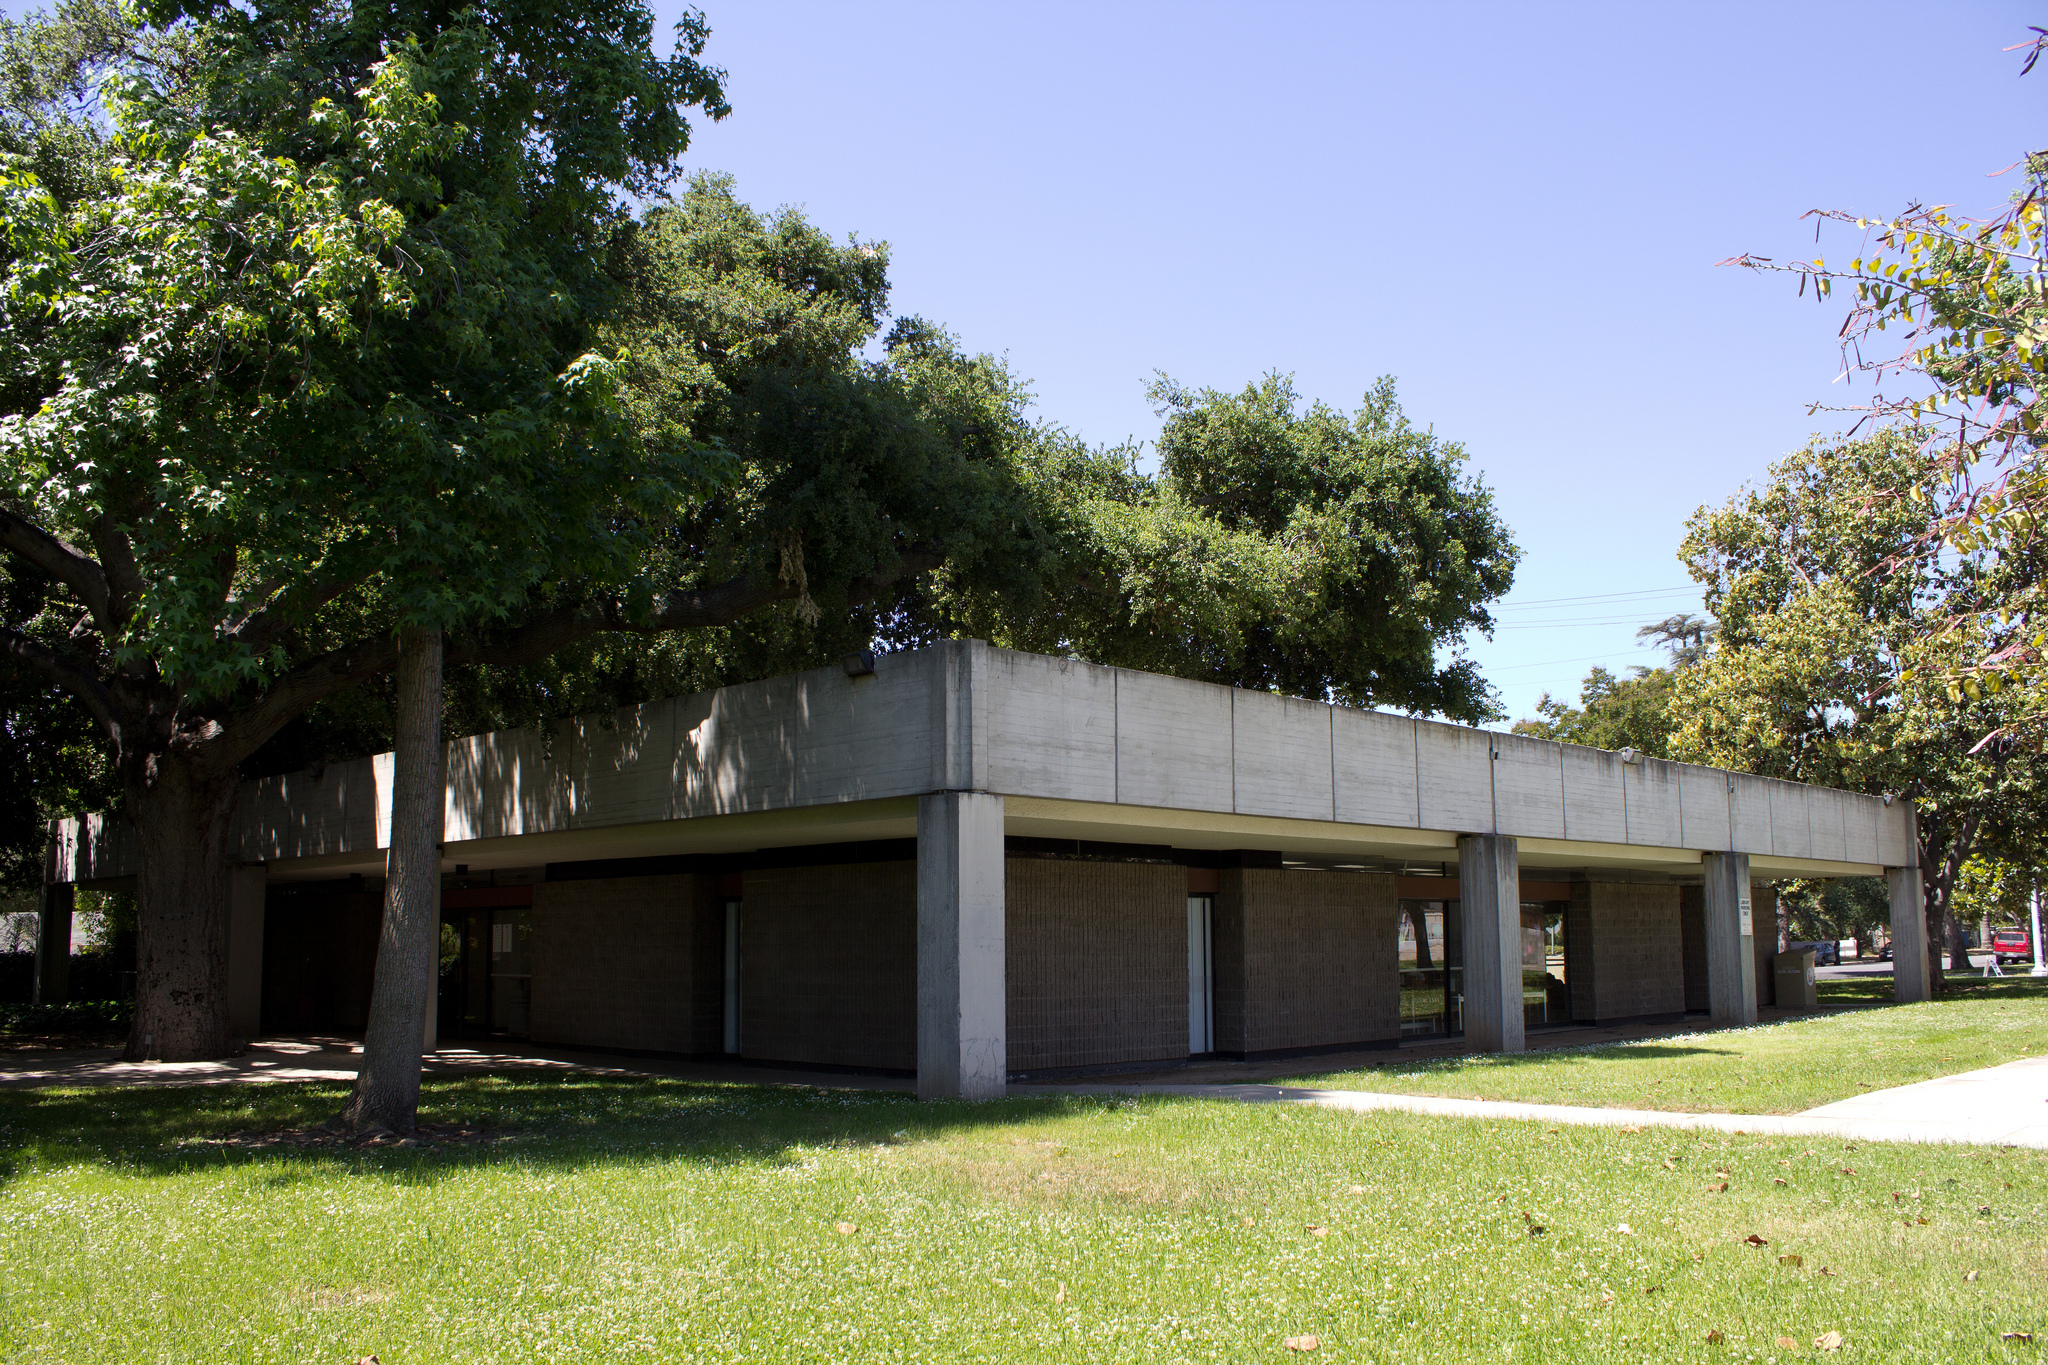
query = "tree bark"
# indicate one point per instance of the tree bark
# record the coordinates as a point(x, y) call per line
point(182, 816)
point(387, 1089)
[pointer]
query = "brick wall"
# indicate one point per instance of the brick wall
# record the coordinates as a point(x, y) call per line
point(828, 965)
point(1692, 932)
point(1097, 955)
point(629, 962)
point(1305, 959)
point(1624, 953)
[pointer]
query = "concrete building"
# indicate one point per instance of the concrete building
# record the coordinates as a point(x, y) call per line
point(974, 864)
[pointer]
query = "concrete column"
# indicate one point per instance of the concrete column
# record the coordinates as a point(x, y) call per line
point(1731, 938)
point(53, 945)
point(1911, 979)
point(247, 885)
point(1490, 918)
point(962, 986)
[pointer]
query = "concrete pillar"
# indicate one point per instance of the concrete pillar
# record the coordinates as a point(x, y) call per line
point(962, 985)
point(1731, 938)
point(1911, 979)
point(247, 885)
point(1490, 918)
point(53, 945)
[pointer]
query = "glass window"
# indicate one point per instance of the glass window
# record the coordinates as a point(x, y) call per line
point(1545, 997)
point(511, 970)
point(1432, 982)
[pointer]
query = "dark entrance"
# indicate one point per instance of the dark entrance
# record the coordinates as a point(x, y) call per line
point(486, 962)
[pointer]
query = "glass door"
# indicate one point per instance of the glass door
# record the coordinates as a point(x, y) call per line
point(511, 970)
point(1431, 967)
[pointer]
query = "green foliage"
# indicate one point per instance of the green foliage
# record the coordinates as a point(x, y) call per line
point(1997, 889)
point(1304, 550)
point(1849, 907)
point(1632, 712)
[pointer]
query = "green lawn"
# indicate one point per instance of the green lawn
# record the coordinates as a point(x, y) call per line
point(663, 1220)
point(1771, 1069)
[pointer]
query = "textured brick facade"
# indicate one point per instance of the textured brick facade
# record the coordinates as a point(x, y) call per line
point(1097, 955)
point(1692, 932)
point(828, 965)
point(1305, 959)
point(629, 962)
point(1624, 952)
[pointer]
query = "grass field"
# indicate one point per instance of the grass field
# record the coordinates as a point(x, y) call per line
point(1771, 1069)
point(618, 1219)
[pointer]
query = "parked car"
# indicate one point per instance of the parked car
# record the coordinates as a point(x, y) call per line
point(1826, 953)
point(2011, 945)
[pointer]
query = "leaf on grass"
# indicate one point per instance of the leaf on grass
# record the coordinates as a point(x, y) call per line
point(1315, 1231)
point(2016, 1336)
point(1829, 1341)
point(1848, 1170)
point(1714, 1337)
point(1670, 1163)
point(369, 1360)
point(1779, 1180)
point(1303, 1343)
point(1537, 1230)
point(1061, 1297)
point(1791, 1258)
point(1624, 1229)
point(1633, 1128)
point(1970, 1278)
point(1755, 1240)
point(1984, 1209)
point(1787, 1344)
point(1358, 1189)
point(1825, 1271)
point(1721, 1188)
point(1919, 1221)
point(846, 1229)
point(1607, 1296)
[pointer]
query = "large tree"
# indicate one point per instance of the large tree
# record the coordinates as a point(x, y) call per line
point(314, 347)
point(1824, 582)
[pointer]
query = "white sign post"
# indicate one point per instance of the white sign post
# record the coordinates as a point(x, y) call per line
point(2039, 969)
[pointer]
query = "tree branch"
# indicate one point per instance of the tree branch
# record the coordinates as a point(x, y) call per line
point(117, 556)
point(53, 667)
point(63, 562)
point(316, 679)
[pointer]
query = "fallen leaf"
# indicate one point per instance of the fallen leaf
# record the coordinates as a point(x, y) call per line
point(1061, 1297)
point(1303, 1343)
point(1787, 1344)
point(1918, 1221)
point(1502, 1200)
point(1970, 1278)
point(2016, 1336)
point(1358, 1189)
point(1829, 1341)
point(1537, 1230)
point(1984, 1209)
point(1825, 1271)
point(1755, 1240)
point(1653, 1289)
point(369, 1360)
point(1624, 1229)
point(1633, 1128)
point(1248, 1220)
point(1670, 1163)
point(1896, 1196)
point(847, 1229)
point(1528, 1217)
point(1714, 1337)
point(1791, 1259)
point(1721, 1188)
point(1779, 1180)
point(1848, 1170)
point(1607, 1296)
point(1315, 1231)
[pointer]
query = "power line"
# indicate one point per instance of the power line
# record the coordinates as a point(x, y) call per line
point(1600, 597)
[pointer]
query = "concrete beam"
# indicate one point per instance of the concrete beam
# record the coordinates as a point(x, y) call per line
point(1911, 978)
point(247, 887)
point(962, 982)
point(1490, 916)
point(1730, 938)
point(53, 945)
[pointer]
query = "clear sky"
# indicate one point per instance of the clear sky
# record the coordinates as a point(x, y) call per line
point(1515, 209)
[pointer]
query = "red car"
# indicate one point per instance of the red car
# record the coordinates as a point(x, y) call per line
point(2011, 945)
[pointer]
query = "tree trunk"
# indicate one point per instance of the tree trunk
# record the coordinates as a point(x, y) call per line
point(387, 1090)
point(182, 816)
point(1958, 946)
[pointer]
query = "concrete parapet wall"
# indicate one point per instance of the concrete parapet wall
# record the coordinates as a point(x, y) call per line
point(1624, 951)
point(1305, 959)
point(1098, 962)
point(629, 962)
point(828, 965)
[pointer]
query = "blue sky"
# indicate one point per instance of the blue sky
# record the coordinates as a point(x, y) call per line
point(1514, 209)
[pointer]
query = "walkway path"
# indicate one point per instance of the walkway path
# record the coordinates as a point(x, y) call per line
point(1998, 1106)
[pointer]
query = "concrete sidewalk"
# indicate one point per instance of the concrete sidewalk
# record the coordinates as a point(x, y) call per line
point(2000, 1106)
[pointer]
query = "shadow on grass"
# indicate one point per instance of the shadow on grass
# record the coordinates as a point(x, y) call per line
point(561, 1120)
point(1955, 986)
point(1495, 1062)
